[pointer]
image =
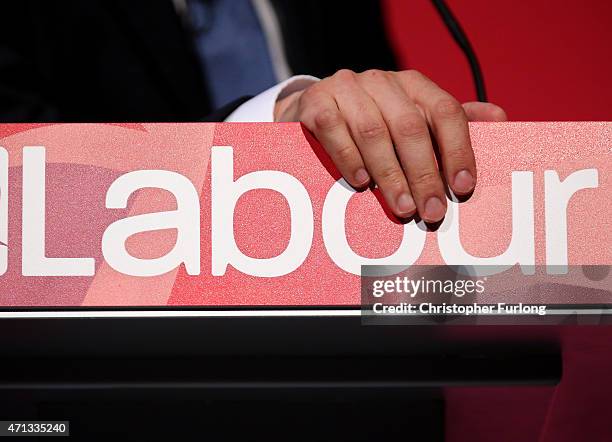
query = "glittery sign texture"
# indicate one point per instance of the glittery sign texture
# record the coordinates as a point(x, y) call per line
point(297, 236)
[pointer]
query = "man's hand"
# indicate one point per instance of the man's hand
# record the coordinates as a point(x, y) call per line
point(382, 126)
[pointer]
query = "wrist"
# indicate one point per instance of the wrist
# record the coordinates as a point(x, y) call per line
point(285, 109)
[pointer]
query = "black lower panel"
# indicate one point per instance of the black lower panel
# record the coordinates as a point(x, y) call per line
point(272, 379)
point(322, 419)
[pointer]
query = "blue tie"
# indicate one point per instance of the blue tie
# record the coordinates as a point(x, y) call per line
point(232, 48)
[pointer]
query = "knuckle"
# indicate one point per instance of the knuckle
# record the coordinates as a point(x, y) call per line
point(425, 178)
point(375, 74)
point(391, 176)
point(327, 118)
point(345, 154)
point(411, 126)
point(371, 130)
point(345, 75)
point(412, 75)
point(457, 155)
point(448, 107)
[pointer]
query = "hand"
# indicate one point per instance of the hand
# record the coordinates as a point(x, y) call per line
point(379, 125)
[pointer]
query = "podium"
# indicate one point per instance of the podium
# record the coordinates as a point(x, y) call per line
point(221, 262)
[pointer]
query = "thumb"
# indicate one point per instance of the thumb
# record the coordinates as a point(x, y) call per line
point(478, 111)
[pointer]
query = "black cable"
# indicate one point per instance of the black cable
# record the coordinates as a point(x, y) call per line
point(461, 39)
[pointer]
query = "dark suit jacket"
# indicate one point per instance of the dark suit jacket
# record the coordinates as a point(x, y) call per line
point(133, 60)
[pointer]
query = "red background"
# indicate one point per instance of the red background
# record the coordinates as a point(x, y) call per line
point(542, 60)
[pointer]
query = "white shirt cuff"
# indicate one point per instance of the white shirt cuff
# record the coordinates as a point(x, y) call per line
point(260, 108)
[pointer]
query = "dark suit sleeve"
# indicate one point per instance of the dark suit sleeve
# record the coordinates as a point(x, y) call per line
point(21, 96)
point(21, 88)
point(25, 92)
point(74, 61)
point(323, 36)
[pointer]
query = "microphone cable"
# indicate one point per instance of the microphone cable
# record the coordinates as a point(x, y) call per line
point(461, 39)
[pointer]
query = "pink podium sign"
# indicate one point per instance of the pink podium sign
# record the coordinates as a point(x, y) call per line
point(207, 215)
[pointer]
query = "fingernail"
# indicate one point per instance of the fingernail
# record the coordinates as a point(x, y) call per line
point(464, 182)
point(434, 210)
point(361, 177)
point(405, 204)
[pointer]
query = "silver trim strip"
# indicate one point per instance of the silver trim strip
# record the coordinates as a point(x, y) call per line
point(177, 313)
point(234, 313)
